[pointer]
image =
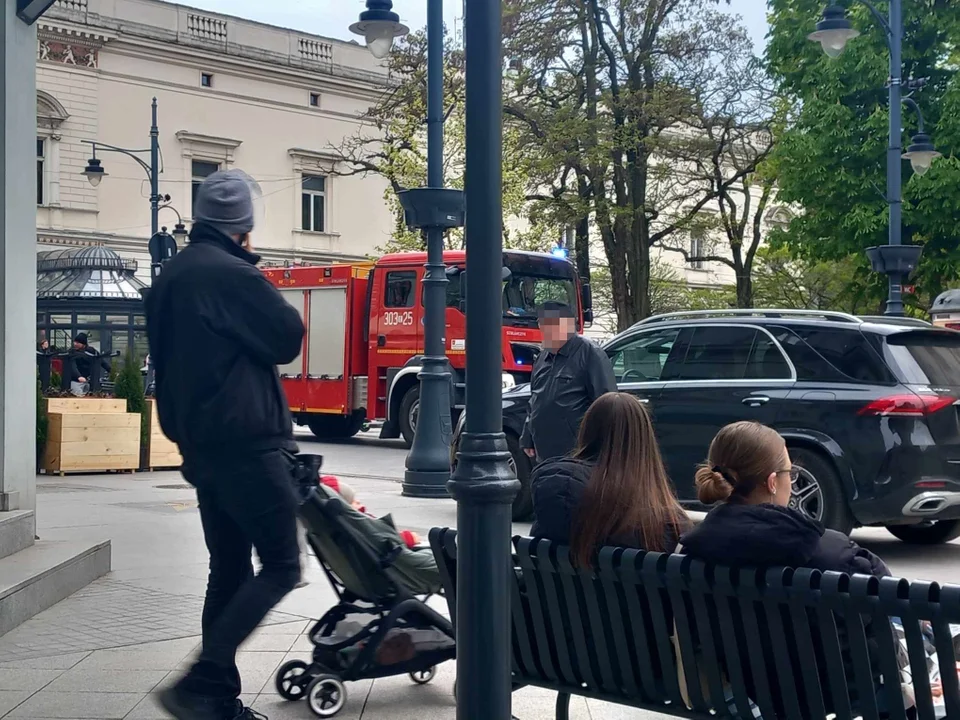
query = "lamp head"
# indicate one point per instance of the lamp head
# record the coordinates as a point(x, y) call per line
point(379, 25)
point(833, 31)
point(921, 153)
point(94, 171)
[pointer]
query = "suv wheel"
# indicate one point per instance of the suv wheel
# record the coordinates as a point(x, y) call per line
point(932, 532)
point(523, 503)
point(818, 493)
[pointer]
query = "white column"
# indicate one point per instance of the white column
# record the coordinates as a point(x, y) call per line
point(53, 174)
point(18, 263)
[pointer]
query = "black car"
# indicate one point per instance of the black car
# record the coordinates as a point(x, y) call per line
point(868, 406)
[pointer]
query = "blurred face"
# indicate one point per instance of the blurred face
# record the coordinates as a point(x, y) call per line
point(78, 345)
point(556, 331)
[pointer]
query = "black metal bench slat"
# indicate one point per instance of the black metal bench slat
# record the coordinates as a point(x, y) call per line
point(786, 675)
point(919, 594)
point(824, 641)
point(576, 616)
point(755, 655)
point(531, 579)
point(558, 635)
point(731, 646)
point(661, 622)
point(889, 604)
point(683, 629)
point(800, 616)
point(519, 609)
point(859, 654)
point(708, 659)
point(946, 653)
point(619, 623)
point(600, 636)
point(829, 636)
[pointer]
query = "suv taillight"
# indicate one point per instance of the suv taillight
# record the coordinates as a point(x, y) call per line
point(907, 405)
point(952, 326)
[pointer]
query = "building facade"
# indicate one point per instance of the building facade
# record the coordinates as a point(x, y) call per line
point(231, 93)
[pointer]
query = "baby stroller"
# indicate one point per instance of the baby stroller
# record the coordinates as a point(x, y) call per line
point(397, 632)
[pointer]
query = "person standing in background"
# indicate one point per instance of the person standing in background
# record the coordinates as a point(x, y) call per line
point(570, 373)
point(217, 331)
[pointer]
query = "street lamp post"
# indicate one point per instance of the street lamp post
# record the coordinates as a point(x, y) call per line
point(159, 244)
point(894, 259)
point(483, 484)
point(433, 210)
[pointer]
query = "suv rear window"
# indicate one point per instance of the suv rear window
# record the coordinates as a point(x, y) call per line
point(832, 354)
point(927, 358)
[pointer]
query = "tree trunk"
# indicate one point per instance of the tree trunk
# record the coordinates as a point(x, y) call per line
point(582, 248)
point(744, 290)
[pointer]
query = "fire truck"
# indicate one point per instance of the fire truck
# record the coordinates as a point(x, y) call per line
point(364, 334)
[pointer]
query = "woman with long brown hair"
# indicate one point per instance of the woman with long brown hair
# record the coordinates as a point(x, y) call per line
point(613, 489)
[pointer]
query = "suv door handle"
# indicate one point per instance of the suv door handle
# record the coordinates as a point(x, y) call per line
point(755, 400)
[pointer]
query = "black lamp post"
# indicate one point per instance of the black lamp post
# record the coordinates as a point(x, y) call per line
point(483, 484)
point(95, 173)
point(894, 259)
point(433, 210)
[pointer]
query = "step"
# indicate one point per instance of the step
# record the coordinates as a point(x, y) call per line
point(17, 531)
point(39, 577)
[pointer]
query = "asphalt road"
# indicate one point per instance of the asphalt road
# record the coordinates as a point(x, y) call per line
point(375, 469)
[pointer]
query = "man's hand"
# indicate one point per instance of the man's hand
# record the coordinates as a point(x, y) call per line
point(530, 452)
point(83, 380)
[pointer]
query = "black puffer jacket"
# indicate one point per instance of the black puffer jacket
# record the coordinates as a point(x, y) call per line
point(558, 487)
point(736, 534)
point(217, 331)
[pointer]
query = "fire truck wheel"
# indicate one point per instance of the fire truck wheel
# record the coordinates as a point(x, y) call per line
point(409, 409)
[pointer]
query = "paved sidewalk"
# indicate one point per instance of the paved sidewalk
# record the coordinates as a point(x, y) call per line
point(99, 654)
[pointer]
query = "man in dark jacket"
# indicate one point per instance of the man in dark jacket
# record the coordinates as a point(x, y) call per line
point(86, 360)
point(217, 331)
point(569, 375)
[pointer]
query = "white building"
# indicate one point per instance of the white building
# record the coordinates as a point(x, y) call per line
point(231, 93)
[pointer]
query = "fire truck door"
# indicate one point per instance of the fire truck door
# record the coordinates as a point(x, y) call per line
point(400, 334)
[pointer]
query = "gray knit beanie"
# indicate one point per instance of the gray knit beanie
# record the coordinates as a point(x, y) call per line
point(224, 200)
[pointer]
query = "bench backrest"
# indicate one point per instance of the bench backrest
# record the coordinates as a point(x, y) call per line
point(781, 643)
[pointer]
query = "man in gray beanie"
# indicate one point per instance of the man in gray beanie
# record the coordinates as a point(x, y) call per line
point(217, 331)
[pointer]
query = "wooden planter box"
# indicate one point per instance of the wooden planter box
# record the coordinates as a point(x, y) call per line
point(91, 435)
point(161, 451)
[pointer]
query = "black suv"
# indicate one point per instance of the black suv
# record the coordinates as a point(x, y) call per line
point(868, 406)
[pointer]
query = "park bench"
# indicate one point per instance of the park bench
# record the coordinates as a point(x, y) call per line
point(776, 643)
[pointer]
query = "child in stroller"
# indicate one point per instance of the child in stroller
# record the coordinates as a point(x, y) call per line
point(379, 626)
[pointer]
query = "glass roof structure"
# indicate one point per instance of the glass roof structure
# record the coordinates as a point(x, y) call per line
point(92, 273)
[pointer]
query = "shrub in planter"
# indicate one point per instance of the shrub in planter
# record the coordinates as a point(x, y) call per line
point(129, 386)
point(42, 424)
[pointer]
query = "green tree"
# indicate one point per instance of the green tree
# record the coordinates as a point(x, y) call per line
point(782, 281)
point(831, 159)
point(129, 386)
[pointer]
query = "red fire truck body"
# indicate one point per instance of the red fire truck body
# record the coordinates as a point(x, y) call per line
point(364, 340)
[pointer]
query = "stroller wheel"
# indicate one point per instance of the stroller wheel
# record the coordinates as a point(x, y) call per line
point(291, 679)
point(326, 695)
point(422, 677)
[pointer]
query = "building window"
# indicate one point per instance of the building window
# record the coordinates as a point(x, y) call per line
point(312, 199)
point(314, 99)
point(696, 251)
point(206, 80)
point(200, 170)
point(41, 155)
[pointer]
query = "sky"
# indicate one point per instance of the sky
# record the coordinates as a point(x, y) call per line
point(331, 18)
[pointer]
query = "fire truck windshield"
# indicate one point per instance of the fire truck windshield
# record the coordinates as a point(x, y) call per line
point(528, 287)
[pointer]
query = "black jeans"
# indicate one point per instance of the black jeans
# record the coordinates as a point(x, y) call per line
point(246, 501)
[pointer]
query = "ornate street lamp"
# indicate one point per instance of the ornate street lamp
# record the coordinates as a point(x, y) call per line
point(379, 25)
point(894, 259)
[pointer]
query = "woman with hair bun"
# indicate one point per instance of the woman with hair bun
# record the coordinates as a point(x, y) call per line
point(748, 475)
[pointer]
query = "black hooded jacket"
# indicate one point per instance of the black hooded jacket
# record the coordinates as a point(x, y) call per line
point(737, 534)
point(217, 331)
point(558, 486)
